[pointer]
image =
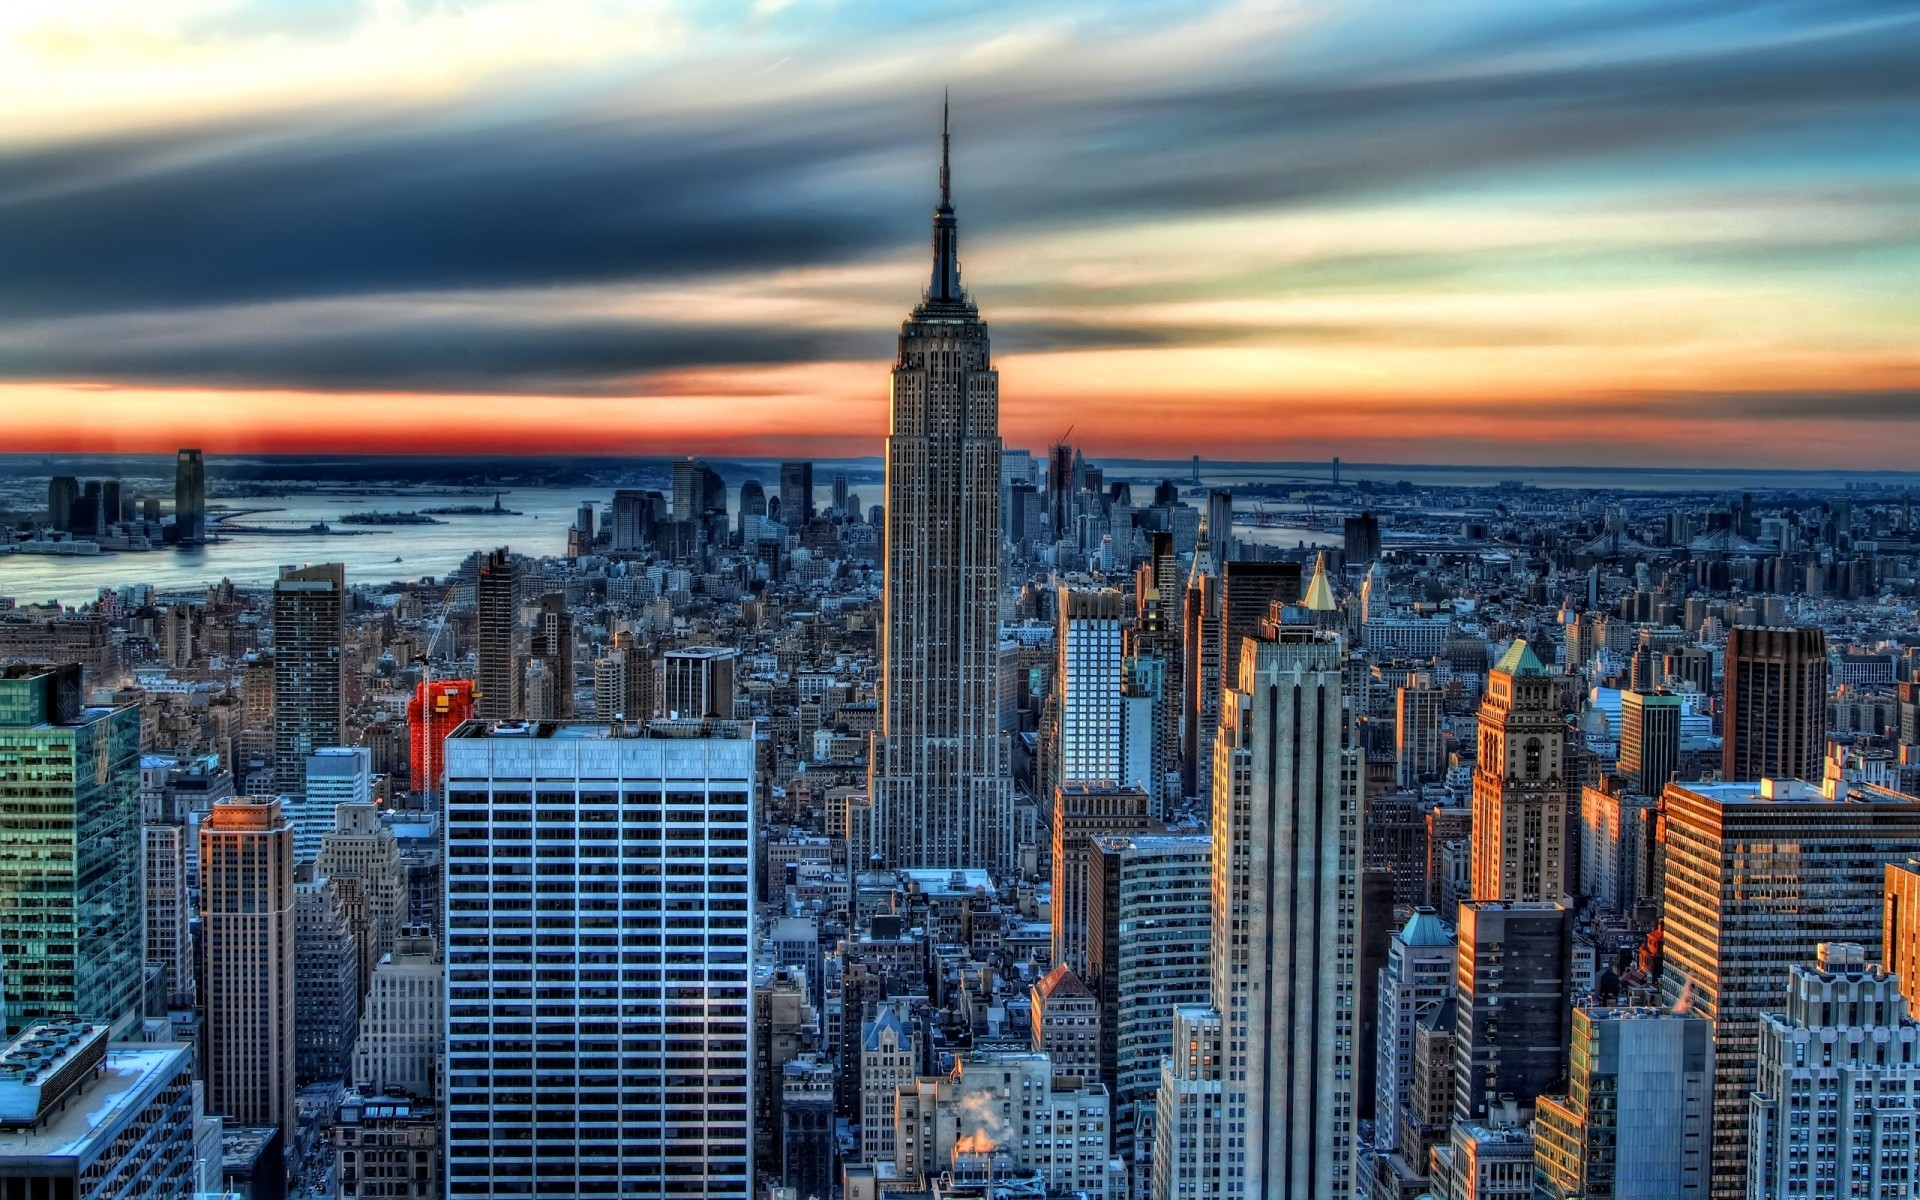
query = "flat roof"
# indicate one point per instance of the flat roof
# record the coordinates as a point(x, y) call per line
point(132, 1073)
point(586, 731)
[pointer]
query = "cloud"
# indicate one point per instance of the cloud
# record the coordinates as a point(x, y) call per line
point(501, 234)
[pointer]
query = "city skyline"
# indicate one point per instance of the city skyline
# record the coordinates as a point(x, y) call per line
point(1624, 236)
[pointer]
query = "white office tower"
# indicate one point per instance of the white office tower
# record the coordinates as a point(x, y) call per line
point(1090, 643)
point(598, 892)
point(941, 793)
point(1417, 979)
point(1286, 829)
point(1189, 1135)
point(335, 775)
point(1834, 1108)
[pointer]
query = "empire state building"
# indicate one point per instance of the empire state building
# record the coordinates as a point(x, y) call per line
point(938, 779)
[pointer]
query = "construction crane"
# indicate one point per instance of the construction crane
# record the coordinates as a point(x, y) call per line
point(425, 659)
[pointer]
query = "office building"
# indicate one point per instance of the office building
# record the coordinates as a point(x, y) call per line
point(190, 498)
point(697, 490)
point(168, 908)
point(384, 1146)
point(1615, 838)
point(81, 1119)
point(809, 1149)
point(1247, 591)
point(1082, 812)
point(638, 1083)
point(1202, 673)
point(496, 683)
point(1900, 928)
point(1418, 733)
point(1189, 1127)
point(1485, 1160)
point(1417, 979)
point(326, 982)
point(1512, 980)
point(1837, 1089)
point(631, 529)
point(796, 494)
point(1775, 724)
point(942, 795)
point(402, 1022)
point(1649, 740)
point(1520, 793)
point(361, 856)
point(1149, 933)
point(63, 496)
point(1360, 539)
point(1008, 1115)
point(309, 706)
point(626, 683)
point(437, 708)
point(335, 775)
point(1226, 544)
point(74, 937)
point(248, 950)
point(1066, 1023)
point(1638, 1112)
point(551, 645)
point(890, 1054)
point(1285, 923)
point(1733, 850)
point(699, 682)
point(1089, 645)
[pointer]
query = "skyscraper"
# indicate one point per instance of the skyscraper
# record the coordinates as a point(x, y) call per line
point(247, 940)
point(73, 936)
point(309, 708)
point(1519, 788)
point(1360, 539)
point(1089, 643)
point(1286, 828)
point(335, 775)
point(1247, 591)
point(1638, 1111)
point(1649, 740)
point(1512, 986)
point(190, 498)
point(796, 493)
point(1149, 930)
point(326, 982)
point(698, 682)
point(1733, 852)
point(1837, 1084)
point(636, 1084)
point(63, 493)
point(1201, 669)
point(1417, 979)
point(938, 778)
point(496, 691)
point(1081, 813)
point(1776, 704)
point(551, 644)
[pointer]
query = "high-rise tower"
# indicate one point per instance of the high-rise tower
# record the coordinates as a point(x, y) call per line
point(941, 793)
point(309, 707)
point(1519, 786)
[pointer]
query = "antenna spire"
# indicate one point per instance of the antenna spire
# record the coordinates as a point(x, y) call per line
point(946, 151)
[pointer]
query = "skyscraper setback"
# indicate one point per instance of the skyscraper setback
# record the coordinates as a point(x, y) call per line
point(941, 793)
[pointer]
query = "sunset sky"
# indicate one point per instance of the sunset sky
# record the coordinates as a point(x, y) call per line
point(1666, 232)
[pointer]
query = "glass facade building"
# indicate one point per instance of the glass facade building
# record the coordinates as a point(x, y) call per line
point(74, 935)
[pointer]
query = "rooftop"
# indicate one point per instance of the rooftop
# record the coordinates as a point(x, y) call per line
point(575, 731)
point(129, 1074)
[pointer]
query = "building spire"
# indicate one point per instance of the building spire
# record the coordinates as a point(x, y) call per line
point(946, 152)
point(945, 290)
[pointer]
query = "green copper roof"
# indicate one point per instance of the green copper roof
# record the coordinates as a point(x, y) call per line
point(1520, 660)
